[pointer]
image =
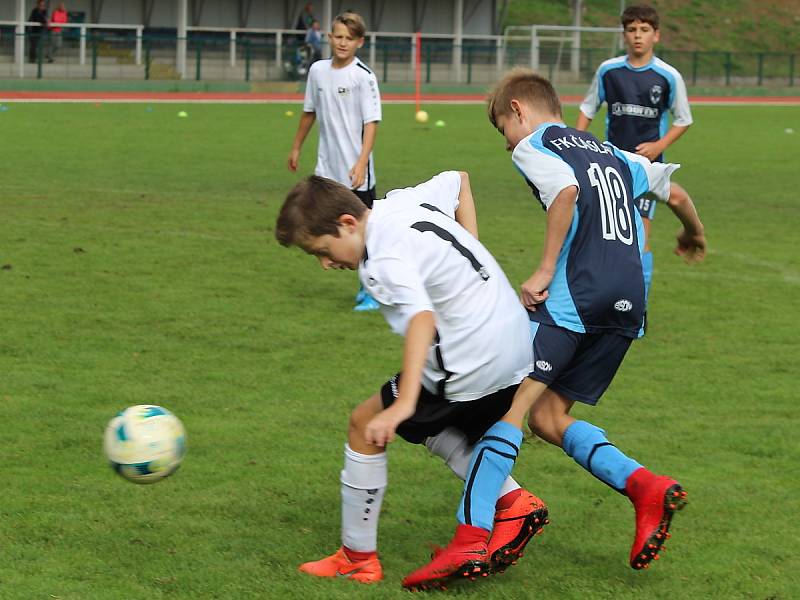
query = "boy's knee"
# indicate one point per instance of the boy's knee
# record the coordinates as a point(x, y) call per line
point(363, 413)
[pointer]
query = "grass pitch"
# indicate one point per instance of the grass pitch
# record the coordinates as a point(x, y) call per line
point(139, 266)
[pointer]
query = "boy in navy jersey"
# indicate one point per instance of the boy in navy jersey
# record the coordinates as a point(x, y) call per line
point(467, 347)
point(586, 301)
point(640, 90)
point(342, 94)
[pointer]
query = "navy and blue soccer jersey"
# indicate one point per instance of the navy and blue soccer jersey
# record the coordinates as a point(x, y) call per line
point(638, 100)
point(598, 285)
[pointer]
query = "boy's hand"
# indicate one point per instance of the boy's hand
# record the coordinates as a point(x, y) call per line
point(357, 175)
point(534, 291)
point(294, 158)
point(692, 248)
point(381, 428)
point(650, 150)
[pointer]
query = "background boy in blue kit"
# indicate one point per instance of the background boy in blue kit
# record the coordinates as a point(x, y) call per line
point(467, 347)
point(640, 91)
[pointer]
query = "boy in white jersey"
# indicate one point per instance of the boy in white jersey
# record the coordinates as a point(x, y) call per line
point(467, 347)
point(342, 93)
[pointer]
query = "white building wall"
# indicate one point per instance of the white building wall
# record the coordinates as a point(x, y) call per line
point(397, 14)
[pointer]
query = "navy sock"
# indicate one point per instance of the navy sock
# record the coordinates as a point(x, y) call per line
point(492, 461)
point(588, 446)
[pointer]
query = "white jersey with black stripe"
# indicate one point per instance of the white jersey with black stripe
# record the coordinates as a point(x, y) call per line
point(344, 100)
point(418, 258)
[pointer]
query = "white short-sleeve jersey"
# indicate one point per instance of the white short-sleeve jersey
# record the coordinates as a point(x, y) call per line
point(418, 258)
point(344, 100)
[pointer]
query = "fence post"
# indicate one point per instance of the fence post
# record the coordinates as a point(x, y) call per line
point(247, 59)
point(232, 47)
point(385, 63)
point(728, 68)
point(198, 59)
point(760, 68)
point(499, 59)
point(791, 70)
point(279, 51)
point(469, 64)
point(83, 46)
point(94, 57)
point(138, 46)
point(147, 59)
point(427, 63)
point(39, 54)
point(694, 67)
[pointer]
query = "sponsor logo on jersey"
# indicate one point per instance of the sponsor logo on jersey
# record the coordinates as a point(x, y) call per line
point(619, 109)
point(543, 365)
point(655, 94)
point(623, 305)
point(343, 91)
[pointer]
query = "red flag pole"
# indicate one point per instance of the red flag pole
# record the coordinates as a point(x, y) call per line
point(418, 70)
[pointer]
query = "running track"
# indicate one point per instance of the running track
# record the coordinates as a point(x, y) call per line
point(283, 98)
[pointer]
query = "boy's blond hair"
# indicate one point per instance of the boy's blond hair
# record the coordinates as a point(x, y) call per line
point(312, 209)
point(525, 86)
point(354, 23)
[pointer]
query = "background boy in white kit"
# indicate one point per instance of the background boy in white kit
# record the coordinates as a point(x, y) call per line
point(342, 93)
point(467, 347)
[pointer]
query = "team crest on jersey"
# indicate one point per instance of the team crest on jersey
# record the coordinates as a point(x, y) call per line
point(623, 305)
point(655, 94)
point(343, 91)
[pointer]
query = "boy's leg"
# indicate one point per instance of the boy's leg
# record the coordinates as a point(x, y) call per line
point(490, 465)
point(519, 514)
point(363, 483)
point(655, 498)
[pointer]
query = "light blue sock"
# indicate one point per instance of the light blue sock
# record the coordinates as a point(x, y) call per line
point(647, 268)
point(588, 446)
point(492, 461)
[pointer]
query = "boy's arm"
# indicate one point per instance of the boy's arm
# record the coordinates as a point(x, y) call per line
point(306, 121)
point(465, 213)
point(559, 219)
point(359, 171)
point(651, 150)
point(691, 237)
point(419, 336)
point(583, 122)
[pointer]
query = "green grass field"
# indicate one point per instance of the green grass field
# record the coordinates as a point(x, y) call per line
point(139, 266)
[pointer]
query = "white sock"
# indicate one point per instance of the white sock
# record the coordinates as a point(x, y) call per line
point(451, 445)
point(364, 479)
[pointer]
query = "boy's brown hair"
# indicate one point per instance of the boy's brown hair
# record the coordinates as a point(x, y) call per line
point(526, 86)
point(640, 12)
point(312, 208)
point(353, 22)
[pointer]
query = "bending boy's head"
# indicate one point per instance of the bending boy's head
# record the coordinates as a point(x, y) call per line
point(640, 12)
point(520, 102)
point(326, 219)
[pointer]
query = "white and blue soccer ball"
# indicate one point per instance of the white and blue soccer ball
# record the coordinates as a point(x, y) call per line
point(145, 443)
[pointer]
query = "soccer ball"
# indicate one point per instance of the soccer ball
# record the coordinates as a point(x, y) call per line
point(145, 443)
point(421, 116)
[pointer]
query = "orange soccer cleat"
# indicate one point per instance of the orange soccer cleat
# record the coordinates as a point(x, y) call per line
point(466, 557)
point(513, 529)
point(338, 565)
point(656, 499)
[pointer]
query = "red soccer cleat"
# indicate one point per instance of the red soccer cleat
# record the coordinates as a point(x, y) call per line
point(338, 565)
point(514, 527)
point(464, 557)
point(656, 499)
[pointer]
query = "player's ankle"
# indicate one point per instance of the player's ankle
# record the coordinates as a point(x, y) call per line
point(508, 499)
point(356, 556)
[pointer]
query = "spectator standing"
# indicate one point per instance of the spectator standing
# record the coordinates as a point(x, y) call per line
point(37, 34)
point(314, 41)
point(56, 40)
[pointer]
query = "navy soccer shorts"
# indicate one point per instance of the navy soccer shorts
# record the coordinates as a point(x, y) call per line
point(646, 203)
point(367, 196)
point(579, 366)
point(435, 413)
